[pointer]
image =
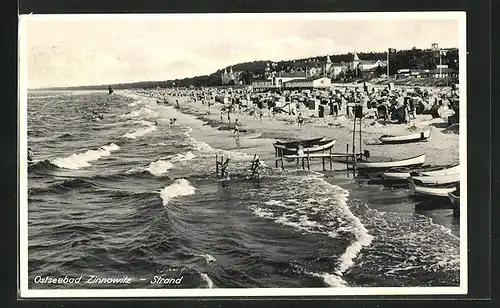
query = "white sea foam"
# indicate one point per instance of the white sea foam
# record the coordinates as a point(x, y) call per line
point(331, 202)
point(183, 156)
point(77, 161)
point(261, 212)
point(210, 283)
point(140, 132)
point(133, 104)
point(144, 112)
point(359, 230)
point(330, 279)
point(208, 257)
point(143, 122)
point(159, 167)
point(180, 187)
point(201, 146)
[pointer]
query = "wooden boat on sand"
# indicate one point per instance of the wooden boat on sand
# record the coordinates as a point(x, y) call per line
point(402, 175)
point(389, 139)
point(446, 171)
point(431, 191)
point(437, 180)
point(408, 162)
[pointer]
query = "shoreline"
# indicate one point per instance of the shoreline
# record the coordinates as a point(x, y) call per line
point(442, 148)
point(437, 153)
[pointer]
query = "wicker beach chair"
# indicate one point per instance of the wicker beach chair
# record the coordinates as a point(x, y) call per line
point(382, 113)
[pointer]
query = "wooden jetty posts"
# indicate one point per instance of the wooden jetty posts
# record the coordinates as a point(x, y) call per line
point(306, 156)
point(220, 166)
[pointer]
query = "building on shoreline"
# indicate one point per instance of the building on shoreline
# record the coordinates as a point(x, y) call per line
point(230, 77)
point(366, 65)
point(309, 83)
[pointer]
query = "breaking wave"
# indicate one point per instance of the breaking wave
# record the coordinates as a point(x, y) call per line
point(77, 161)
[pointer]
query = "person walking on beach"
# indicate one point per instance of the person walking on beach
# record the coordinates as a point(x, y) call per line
point(300, 120)
point(236, 128)
point(229, 115)
point(177, 102)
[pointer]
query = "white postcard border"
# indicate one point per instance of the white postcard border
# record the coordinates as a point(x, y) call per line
point(25, 292)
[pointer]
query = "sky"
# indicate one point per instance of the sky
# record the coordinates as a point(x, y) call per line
point(72, 50)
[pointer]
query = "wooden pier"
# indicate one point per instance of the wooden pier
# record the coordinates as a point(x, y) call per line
point(324, 156)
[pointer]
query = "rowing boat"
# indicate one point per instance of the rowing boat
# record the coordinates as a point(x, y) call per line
point(412, 161)
point(312, 148)
point(430, 191)
point(389, 139)
point(320, 146)
point(424, 171)
point(305, 143)
point(454, 197)
point(435, 180)
point(446, 171)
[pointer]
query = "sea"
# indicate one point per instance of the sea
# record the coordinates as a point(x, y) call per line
point(117, 191)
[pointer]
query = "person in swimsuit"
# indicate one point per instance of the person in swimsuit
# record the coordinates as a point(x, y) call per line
point(224, 173)
point(30, 155)
point(300, 120)
point(236, 127)
point(255, 167)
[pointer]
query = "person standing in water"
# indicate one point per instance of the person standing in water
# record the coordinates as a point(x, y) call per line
point(236, 128)
point(30, 155)
point(224, 173)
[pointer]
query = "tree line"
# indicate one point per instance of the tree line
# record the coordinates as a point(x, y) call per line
point(401, 59)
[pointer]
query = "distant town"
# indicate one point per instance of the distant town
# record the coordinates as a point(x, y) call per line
point(435, 66)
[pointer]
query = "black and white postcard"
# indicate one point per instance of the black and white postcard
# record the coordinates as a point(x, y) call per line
point(212, 155)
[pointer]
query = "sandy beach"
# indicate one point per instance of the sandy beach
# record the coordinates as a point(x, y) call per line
point(442, 148)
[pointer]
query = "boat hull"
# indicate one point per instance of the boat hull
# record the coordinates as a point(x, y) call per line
point(437, 180)
point(319, 147)
point(305, 143)
point(432, 192)
point(423, 136)
point(409, 162)
point(454, 197)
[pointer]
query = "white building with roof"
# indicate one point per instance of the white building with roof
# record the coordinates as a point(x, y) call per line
point(230, 77)
point(366, 65)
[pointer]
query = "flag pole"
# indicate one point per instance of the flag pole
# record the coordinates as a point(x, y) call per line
point(388, 76)
point(440, 64)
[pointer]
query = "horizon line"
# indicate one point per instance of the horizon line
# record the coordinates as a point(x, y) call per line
point(231, 65)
